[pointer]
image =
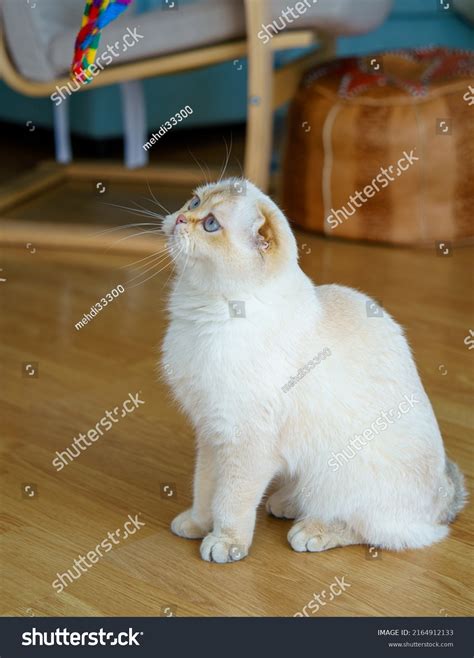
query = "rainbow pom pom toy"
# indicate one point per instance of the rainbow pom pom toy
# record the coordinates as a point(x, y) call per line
point(97, 15)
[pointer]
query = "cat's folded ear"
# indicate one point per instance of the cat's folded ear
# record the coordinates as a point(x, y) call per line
point(265, 227)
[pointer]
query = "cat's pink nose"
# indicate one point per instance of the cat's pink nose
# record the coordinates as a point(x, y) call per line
point(181, 219)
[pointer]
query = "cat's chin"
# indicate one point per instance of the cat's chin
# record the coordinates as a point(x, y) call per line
point(176, 244)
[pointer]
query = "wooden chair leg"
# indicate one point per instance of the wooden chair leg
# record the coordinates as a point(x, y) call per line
point(258, 149)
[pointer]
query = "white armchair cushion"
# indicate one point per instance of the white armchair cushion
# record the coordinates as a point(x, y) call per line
point(466, 8)
point(198, 24)
point(31, 28)
point(338, 17)
point(41, 39)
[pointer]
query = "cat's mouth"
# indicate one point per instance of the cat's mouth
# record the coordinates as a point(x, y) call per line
point(178, 241)
point(179, 233)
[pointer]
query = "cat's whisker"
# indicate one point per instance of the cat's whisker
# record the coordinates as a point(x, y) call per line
point(181, 275)
point(173, 260)
point(155, 214)
point(134, 235)
point(242, 175)
point(156, 261)
point(199, 165)
point(135, 211)
point(148, 211)
point(149, 269)
point(125, 226)
point(173, 270)
point(130, 287)
point(227, 158)
point(159, 259)
point(144, 213)
point(160, 205)
point(156, 253)
point(173, 267)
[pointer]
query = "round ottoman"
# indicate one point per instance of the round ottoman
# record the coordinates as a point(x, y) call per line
point(382, 148)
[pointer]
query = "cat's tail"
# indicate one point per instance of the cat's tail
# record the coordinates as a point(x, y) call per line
point(458, 494)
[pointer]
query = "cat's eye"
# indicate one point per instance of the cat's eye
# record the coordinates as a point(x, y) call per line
point(194, 203)
point(210, 224)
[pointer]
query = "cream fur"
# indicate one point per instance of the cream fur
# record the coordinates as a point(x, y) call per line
point(228, 373)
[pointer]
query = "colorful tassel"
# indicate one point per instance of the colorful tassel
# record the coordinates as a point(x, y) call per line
point(97, 15)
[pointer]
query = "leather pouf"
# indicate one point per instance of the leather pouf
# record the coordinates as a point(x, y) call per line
point(382, 148)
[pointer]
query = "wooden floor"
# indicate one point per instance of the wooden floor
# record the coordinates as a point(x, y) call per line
point(148, 454)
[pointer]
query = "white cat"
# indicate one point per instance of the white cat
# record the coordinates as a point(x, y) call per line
point(278, 376)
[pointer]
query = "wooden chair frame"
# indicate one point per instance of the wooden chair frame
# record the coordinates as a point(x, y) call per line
point(267, 88)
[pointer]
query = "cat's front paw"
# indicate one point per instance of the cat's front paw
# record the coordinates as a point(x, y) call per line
point(184, 525)
point(222, 549)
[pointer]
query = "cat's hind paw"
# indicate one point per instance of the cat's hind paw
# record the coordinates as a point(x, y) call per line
point(279, 506)
point(312, 536)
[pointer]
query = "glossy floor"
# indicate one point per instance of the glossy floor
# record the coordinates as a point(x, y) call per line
point(59, 381)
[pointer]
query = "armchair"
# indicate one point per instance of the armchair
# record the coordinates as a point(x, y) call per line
point(36, 49)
